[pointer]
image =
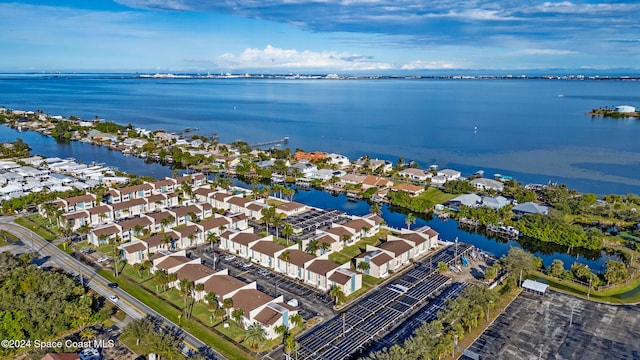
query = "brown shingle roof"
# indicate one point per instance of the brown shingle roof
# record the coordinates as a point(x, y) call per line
point(267, 247)
point(172, 261)
point(290, 206)
point(76, 215)
point(340, 231)
point(298, 257)
point(130, 224)
point(188, 230)
point(193, 272)
point(133, 247)
point(408, 187)
point(222, 285)
point(397, 247)
point(78, 199)
point(321, 266)
point(380, 259)
point(255, 207)
point(99, 209)
point(107, 230)
point(245, 238)
point(166, 182)
point(357, 225)
point(185, 210)
point(268, 316)
point(414, 237)
point(214, 223)
point(158, 239)
point(156, 197)
point(203, 191)
point(128, 204)
point(135, 188)
point(158, 216)
point(250, 299)
point(238, 201)
point(340, 277)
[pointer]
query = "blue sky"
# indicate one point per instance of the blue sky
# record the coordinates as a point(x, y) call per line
point(320, 36)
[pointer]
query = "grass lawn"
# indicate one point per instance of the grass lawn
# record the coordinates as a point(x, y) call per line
point(339, 258)
point(65, 248)
point(610, 295)
point(273, 202)
point(135, 275)
point(436, 195)
point(370, 280)
point(39, 226)
point(227, 349)
point(7, 237)
point(233, 331)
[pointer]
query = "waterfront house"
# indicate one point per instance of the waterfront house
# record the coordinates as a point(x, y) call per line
point(495, 203)
point(449, 174)
point(352, 179)
point(415, 174)
point(438, 180)
point(413, 190)
point(530, 208)
point(339, 160)
point(304, 168)
point(468, 200)
point(423, 240)
point(625, 109)
point(372, 181)
point(309, 156)
point(488, 184)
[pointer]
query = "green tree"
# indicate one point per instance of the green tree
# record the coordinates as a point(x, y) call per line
point(364, 267)
point(410, 219)
point(237, 314)
point(557, 268)
point(255, 336)
point(287, 231)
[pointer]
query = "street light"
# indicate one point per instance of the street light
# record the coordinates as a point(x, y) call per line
point(488, 305)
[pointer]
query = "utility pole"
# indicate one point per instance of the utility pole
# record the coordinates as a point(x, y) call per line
point(589, 291)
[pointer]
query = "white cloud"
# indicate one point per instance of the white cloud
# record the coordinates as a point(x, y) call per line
point(278, 58)
point(428, 65)
point(550, 52)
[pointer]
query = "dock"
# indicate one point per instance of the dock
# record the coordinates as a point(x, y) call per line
point(282, 141)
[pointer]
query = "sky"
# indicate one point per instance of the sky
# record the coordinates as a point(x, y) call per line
point(318, 36)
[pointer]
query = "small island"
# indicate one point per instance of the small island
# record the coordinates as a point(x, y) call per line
point(616, 112)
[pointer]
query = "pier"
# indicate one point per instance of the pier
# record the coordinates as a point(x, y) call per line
point(468, 222)
point(282, 141)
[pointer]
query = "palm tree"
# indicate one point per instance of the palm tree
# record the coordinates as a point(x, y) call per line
point(84, 230)
point(227, 304)
point(410, 219)
point(324, 247)
point(255, 336)
point(290, 345)
point(287, 231)
point(345, 239)
point(167, 221)
point(147, 264)
point(212, 300)
point(365, 231)
point(312, 247)
point(138, 267)
point(186, 287)
point(337, 294)
point(237, 314)
point(277, 220)
point(286, 256)
point(137, 229)
point(296, 319)
point(375, 209)
point(212, 238)
point(282, 330)
point(219, 313)
point(161, 278)
point(364, 267)
point(199, 288)
point(87, 333)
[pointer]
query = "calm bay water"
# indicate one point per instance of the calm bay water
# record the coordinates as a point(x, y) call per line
point(524, 128)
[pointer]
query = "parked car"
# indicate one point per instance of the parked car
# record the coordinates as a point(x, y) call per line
point(246, 265)
point(103, 259)
point(229, 257)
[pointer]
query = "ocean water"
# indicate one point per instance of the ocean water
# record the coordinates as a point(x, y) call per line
point(522, 128)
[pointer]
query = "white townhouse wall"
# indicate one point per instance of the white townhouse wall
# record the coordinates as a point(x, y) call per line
point(293, 261)
point(217, 224)
point(170, 262)
point(190, 236)
point(380, 262)
point(162, 221)
point(135, 191)
point(266, 252)
point(129, 208)
point(401, 251)
point(77, 219)
point(77, 203)
point(135, 252)
point(135, 226)
point(422, 241)
point(158, 242)
point(101, 214)
point(318, 271)
point(238, 241)
point(344, 234)
point(103, 234)
point(362, 227)
point(347, 280)
point(165, 186)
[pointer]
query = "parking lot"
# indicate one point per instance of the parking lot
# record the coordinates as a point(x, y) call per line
point(310, 301)
point(559, 326)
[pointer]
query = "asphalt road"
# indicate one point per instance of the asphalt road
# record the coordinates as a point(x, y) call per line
point(127, 303)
